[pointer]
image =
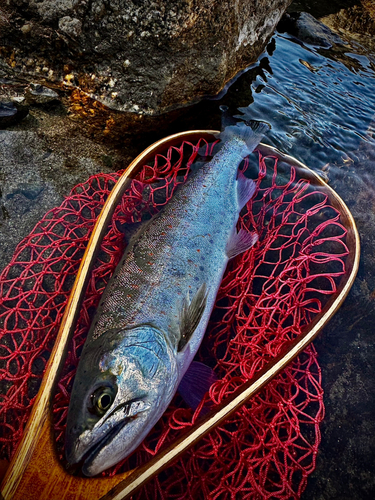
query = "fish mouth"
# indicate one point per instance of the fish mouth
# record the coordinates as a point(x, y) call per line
point(94, 451)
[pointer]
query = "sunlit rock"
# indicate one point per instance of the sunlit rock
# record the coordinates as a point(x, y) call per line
point(140, 57)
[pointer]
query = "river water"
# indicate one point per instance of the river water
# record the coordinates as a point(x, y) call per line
point(321, 106)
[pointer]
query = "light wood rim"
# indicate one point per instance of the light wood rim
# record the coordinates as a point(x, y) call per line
point(38, 420)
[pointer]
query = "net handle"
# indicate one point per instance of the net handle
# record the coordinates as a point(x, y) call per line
point(39, 421)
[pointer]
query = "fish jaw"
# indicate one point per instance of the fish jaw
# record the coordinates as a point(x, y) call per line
point(139, 368)
point(109, 450)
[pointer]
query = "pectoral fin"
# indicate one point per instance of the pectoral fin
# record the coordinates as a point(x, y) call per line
point(191, 315)
point(195, 383)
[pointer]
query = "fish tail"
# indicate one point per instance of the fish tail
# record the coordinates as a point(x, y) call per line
point(251, 132)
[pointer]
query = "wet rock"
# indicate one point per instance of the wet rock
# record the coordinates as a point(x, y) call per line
point(353, 20)
point(309, 30)
point(358, 21)
point(38, 94)
point(7, 110)
point(41, 160)
point(30, 191)
point(140, 57)
point(11, 113)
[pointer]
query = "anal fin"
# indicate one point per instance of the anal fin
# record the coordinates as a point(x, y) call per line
point(240, 242)
point(191, 315)
point(196, 383)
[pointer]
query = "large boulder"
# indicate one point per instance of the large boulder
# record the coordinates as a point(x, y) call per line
point(137, 56)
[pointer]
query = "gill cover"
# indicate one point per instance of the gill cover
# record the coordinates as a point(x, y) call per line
point(123, 383)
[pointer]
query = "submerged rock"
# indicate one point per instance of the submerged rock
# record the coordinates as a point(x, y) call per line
point(309, 30)
point(141, 57)
point(41, 160)
point(353, 20)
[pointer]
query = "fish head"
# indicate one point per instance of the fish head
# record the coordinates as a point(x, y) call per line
point(124, 382)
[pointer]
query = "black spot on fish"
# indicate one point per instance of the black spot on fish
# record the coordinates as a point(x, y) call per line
point(196, 278)
point(211, 241)
point(201, 268)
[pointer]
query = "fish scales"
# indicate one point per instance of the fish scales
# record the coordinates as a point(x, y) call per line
point(171, 253)
point(155, 309)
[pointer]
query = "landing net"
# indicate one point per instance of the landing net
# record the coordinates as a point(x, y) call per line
point(268, 296)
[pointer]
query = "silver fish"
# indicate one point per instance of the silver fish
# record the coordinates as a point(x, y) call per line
point(154, 312)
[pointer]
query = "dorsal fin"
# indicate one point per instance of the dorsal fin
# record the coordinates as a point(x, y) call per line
point(191, 315)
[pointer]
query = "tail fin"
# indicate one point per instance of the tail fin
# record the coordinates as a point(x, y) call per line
point(250, 132)
point(227, 117)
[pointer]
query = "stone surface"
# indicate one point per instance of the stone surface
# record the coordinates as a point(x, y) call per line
point(308, 29)
point(353, 19)
point(11, 112)
point(41, 160)
point(141, 57)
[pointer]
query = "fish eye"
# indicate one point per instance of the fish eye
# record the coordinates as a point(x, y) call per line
point(101, 400)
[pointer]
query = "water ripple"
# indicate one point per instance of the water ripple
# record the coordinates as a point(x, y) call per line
point(320, 104)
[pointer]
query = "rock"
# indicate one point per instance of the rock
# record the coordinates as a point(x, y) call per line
point(7, 110)
point(357, 21)
point(38, 94)
point(308, 29)
point(71, 27)
point(41, 160)
point(139, 57)
point(11, 112)
point(352, 20)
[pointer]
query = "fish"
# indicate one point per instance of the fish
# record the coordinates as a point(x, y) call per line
point(155, 309)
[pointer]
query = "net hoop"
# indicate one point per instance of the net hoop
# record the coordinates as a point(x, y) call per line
point(39, 414)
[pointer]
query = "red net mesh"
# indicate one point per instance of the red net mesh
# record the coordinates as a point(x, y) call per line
point(267, 297)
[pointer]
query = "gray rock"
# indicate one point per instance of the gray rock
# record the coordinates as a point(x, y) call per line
point(139, 57)
point(39, 164)
point(309, 30)
point(11, 112)
point(38, 94)
point(312, 31)
point(7, 109)
point(71, 27)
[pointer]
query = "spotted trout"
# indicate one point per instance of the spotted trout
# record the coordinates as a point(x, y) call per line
point(154, 311)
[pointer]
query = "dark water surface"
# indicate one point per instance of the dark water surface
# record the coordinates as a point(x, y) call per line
point(321, 105)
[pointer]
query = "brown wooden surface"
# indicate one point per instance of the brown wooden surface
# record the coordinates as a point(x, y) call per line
point(45, 479)
point(35, 472)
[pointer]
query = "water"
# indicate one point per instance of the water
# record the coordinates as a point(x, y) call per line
point(320, 103)
point(321, 106)
point(314, 103)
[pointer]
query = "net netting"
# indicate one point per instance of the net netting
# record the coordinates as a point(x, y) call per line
point(268, 296)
